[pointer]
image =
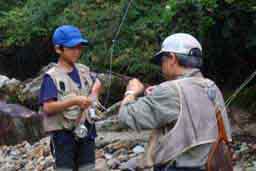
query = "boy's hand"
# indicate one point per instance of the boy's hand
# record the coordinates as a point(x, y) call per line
point(83, 101)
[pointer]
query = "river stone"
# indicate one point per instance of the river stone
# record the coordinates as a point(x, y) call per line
point(18, 123)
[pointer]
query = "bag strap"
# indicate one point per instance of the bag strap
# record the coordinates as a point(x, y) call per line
point(222, 137)
point(221, 127)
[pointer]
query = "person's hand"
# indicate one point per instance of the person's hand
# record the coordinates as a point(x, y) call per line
point(149, 90)
point(82, 101)
point(96, 88)
point(135, 86)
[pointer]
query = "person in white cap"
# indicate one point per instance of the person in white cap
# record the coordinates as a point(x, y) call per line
point(180, 111)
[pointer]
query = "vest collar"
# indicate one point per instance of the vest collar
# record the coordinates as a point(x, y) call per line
point(63, 71)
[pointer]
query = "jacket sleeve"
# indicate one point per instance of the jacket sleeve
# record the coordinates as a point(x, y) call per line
point(152, 111)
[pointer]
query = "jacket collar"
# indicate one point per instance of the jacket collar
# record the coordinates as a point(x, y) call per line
point(190, 73)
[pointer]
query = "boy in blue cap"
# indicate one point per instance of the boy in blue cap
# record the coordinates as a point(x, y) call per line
point(65, 97)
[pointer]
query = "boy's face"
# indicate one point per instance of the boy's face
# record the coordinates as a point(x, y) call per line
point(70, 55)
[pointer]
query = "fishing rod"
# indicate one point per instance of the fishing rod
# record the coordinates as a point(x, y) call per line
point(114, 40)
point(240, 88)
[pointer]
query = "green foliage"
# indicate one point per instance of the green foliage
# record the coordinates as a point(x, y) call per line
point(9, 4)
point(193, 16)
point(34, 19)
point(225, 28)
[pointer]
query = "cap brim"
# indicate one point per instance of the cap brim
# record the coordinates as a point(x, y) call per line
point(157, 57)
point(75, 42)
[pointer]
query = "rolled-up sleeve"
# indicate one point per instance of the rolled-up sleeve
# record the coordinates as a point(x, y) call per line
point(152, 111)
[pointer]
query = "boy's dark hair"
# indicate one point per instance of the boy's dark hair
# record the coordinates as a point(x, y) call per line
point(61, 47)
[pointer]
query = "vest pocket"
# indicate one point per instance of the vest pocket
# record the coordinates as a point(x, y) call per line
point(72, 113)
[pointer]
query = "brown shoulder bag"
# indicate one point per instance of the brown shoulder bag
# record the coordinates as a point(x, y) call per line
point(219, 158)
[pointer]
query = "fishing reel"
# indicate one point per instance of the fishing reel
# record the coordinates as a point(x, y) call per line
point(81, 131)
point(92, 116)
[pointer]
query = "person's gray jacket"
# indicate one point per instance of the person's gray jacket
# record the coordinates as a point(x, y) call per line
point(163, 107)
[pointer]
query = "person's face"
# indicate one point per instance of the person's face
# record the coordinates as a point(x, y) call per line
point(71, 55)
point(168, 66)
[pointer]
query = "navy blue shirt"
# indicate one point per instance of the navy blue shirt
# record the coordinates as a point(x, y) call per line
point(48, 91)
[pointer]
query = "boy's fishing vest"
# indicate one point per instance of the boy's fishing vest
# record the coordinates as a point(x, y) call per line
point(66, 89)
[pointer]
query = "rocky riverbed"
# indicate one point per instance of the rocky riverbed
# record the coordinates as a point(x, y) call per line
point(115, 143)
point(113, 149)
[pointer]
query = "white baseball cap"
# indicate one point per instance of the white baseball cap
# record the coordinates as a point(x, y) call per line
point(180, 43)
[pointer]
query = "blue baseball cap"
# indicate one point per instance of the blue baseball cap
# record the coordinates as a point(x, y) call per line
point(68, 36)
